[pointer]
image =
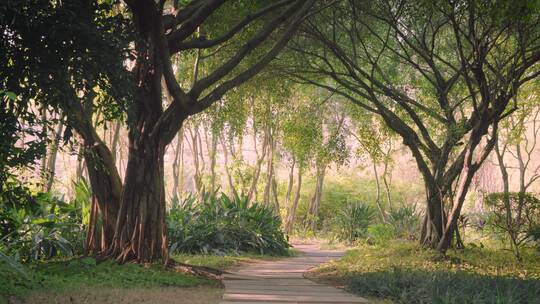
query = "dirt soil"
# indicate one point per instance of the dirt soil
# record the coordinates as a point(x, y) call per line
point(165, 295)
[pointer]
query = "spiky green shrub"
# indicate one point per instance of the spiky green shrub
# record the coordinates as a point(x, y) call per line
point(353, 220)
point(405, 222)
point(217, 223)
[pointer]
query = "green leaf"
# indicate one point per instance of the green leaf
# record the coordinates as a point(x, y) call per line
point(11, 95)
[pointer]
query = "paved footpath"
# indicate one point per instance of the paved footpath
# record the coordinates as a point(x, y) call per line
point(282, 281)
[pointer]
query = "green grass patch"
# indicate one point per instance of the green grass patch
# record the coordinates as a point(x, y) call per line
point(61, 276)
point(405, 273)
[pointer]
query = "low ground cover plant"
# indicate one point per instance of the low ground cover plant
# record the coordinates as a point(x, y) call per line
point(405, 273)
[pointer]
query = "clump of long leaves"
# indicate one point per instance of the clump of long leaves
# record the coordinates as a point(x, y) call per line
point(352, 222)
point(217, 223)
point(405, 221)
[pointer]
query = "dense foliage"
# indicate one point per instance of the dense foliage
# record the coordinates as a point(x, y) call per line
point(13, 156)
point(216, 223)
point(42, 226)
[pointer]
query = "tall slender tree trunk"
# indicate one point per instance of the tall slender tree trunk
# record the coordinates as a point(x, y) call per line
point(507, 206)
point(51, 160)
point(197, 176)
point(212, 154)
point(43, 166)
point(387, 183)
point(275, 193)
point(269, 169)
point(201, 154)
point(378, 192)
point(316, 199)
point(291, 214)
point(290, 183)
point(177, 163)
point(115, 139)
point(80, 163)
point(226, 166)
point(180, 185)
point(258, 166)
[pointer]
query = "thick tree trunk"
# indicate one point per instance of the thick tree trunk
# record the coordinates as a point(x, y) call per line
point(106, 192)
point(141, 233)
point(102, 174)
point(434, 218)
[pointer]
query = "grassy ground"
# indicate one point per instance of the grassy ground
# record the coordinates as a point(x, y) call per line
point(85, 281)
point(404, 273)
point(156, 295)
point(72, 278)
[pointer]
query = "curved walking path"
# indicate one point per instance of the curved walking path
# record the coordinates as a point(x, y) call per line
point(282, 281)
